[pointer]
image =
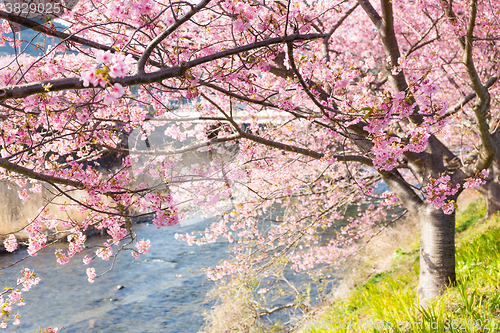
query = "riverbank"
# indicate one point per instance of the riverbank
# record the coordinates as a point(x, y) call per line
point(388, 298)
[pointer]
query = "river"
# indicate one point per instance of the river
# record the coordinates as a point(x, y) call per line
point(153, 300)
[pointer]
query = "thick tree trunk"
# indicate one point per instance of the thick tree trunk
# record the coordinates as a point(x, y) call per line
point(491, 190)
point(437, 252)
point(491, 194)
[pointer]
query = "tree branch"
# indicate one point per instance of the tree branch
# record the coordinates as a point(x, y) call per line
point(5, 164)
point(403, 190)
point(482, 106)
point(301, 80)
point(297, 112)
point(371, 12)
point(391, 47)
point(158, 39)
point(25, 90)
point(457, 107)
point(35, 26)
point(302, 151)
point(266, 312)
point(326, 54)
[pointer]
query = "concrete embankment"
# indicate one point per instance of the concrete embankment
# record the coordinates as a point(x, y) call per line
point(16, 213)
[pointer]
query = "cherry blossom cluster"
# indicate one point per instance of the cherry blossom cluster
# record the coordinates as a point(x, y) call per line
point(438, 190)
point(76, 240)
point(189, 239)
point(91, 274)
point(478, 180)
point(383, 119)
point(104, 252)
point(10, 243)
point(142, 246)
point(225, 269)
point(28, 279)
point(390, 198)
point(387, 152)
point(37, 239)
point(114, 65)
point(164, 216)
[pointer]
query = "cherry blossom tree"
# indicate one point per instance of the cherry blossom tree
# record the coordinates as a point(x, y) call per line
point(304, 107)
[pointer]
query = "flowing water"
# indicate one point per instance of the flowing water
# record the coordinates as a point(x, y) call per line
point(153, 298)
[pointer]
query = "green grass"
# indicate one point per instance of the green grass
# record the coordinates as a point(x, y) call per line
point(471, 215)
point(387, 302)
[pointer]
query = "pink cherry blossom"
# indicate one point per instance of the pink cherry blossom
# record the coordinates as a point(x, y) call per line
point(103, 57)
point(116, 92)
point(10, 243)
point(91, 274)
point(23, 195)
point(87, 260)
point(142, 246)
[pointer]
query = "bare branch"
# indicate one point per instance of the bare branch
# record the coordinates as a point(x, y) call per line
point(419, 43)
point(391, 47)
point(457, 107)
point(302, 151)
point(267, 312)
point(402, 189)
point(301, 80)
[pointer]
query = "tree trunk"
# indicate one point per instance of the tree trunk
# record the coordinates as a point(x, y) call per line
point(491, 190)
point(437, 252)
point(491, 194)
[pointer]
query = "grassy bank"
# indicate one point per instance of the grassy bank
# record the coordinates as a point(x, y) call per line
point(387, 301)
